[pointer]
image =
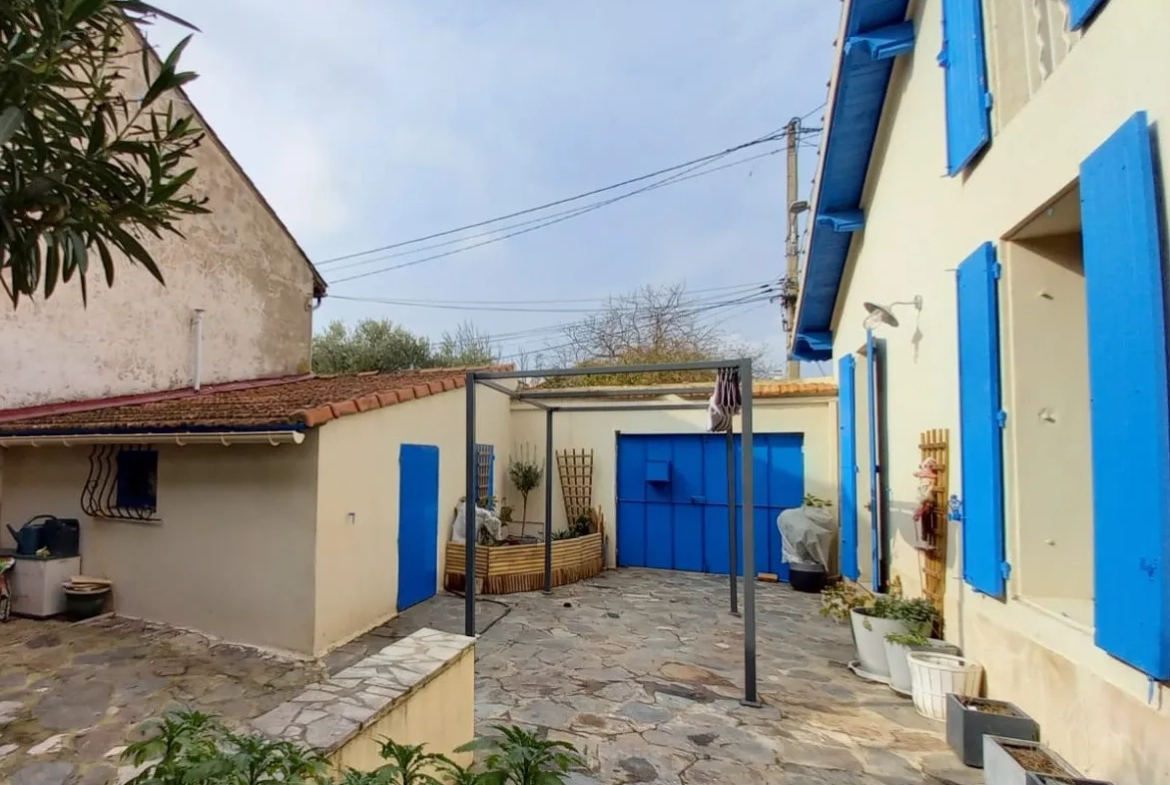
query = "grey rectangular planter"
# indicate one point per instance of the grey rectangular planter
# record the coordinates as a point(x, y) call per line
point(1049, 779)
point(966, 726)
point(1000, 768)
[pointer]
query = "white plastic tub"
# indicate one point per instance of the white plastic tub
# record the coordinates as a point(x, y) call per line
point(934, 676)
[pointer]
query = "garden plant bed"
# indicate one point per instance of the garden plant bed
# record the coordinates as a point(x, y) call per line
point(1014, 761)
point(506, 569)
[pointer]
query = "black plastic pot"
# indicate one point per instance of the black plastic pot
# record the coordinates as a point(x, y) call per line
point(81, 605)
point(810, 578)
point(967, 725)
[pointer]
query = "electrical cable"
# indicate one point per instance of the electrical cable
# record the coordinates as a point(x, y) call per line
point(570, 213)
point(770, 137)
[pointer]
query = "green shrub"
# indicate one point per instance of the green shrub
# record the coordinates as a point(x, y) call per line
point(192, 748)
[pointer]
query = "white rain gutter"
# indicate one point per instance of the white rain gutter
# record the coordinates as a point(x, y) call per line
point(225, 438)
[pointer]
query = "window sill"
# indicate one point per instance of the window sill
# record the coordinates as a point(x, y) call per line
point(131, 521)
point(1076, 613)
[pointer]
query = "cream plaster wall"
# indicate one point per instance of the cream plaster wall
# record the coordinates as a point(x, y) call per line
point(358, 497)
point(920, 225)
point(233, 555)
point(816, 418)
point(239, 264)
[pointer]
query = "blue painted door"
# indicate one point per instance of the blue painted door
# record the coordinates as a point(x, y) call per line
point(847, 448)
point(418, 523)
point(672, 510)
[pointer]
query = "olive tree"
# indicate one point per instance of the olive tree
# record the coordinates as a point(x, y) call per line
point(87, 168)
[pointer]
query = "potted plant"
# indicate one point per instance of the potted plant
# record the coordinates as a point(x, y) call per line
point(871, 625)
point(525, 474)
point(899, 644)
point(970, 719)
point(1011, 761)
point(1050, 779)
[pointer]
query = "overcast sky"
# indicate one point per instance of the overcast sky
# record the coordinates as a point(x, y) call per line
point(371, 122)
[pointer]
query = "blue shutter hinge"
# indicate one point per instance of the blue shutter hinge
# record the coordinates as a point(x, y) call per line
point(942, 58)
point(988, 101)
point(996, 270)
point(1001, 418)
point(1005, 569)
point(955, 509)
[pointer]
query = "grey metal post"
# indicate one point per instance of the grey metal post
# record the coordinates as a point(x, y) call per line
point(733, 551)
point(469, 514)
point(548, 477)
point(750, 697)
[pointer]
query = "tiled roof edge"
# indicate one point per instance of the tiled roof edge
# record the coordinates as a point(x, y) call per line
point(319, 415)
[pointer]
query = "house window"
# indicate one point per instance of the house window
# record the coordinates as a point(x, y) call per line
point(1049, 433)
point(137, 483)
point(1029, 39)
point(485, 464)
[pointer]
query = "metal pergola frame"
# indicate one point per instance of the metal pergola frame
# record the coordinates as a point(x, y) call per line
point(536, 398)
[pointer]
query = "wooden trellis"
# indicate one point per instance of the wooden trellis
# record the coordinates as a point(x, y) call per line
point(935, 445)
point(575, 468)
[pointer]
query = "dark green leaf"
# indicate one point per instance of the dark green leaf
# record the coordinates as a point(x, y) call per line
point(52, 264)
point(107, 259)
point(132, 248)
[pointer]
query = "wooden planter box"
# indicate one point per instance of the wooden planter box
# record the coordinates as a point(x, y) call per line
point(505, 569)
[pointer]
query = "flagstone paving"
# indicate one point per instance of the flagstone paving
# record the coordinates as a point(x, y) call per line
point(642, 670)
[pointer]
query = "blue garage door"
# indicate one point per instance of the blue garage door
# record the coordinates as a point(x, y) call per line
point(672, 499)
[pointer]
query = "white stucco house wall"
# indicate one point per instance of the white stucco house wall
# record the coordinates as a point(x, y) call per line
point(994, 172)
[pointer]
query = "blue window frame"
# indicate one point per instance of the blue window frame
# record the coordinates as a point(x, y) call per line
point(485, 467)
point(137, 485)
point(968, 100)
point(1125, 296)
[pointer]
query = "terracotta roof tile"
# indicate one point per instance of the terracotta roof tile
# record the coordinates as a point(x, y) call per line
point(308, 401)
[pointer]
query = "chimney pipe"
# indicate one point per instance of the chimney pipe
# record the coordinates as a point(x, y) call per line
point(198, 348)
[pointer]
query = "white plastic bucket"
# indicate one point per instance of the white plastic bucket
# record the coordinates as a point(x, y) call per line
point(934, 676)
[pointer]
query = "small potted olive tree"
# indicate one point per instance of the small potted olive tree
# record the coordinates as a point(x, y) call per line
point(526, 474)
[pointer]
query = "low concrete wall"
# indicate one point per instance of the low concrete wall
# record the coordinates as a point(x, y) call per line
point(419, 690)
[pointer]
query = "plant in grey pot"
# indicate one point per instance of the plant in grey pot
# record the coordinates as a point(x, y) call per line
point(871, 625)
point(1010, 761)
point(899, 644)
point(1049, 779)
point(970, 719)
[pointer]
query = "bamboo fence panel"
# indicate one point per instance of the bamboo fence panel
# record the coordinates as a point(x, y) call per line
point(505, 569)
point(935, 444)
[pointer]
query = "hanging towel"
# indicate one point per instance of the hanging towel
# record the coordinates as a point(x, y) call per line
point(726, 400)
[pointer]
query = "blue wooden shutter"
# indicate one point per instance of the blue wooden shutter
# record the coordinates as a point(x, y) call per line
point(1080, 11)
point(1128, 384)
point(968, 101)
point(981, 419)
point(847, 414)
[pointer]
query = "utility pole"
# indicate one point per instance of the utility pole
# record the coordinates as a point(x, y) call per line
point(793, 242)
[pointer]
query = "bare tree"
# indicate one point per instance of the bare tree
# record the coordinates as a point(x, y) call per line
point(467, 346)
point(649, 325)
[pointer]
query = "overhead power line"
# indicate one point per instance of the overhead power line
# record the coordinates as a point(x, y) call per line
point(544, 223)
point(571, 213)
point(770, 137)
point(473, 305)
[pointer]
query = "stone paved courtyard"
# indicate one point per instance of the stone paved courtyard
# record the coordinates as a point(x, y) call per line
point(640, 669)
point(69, 694)
point(643, 670)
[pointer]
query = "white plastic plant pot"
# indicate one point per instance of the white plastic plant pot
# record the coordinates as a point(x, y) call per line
point(934, 676)
point(869, 635)
point(900, 666)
